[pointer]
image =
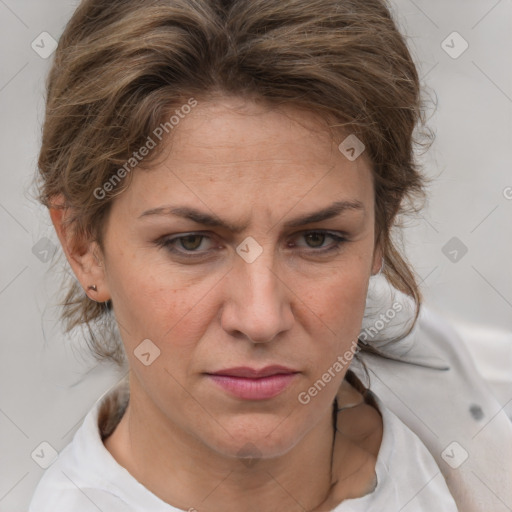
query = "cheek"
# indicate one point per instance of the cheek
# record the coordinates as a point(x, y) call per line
point(344, 311)
point(339, 301)
point(175, 305)
point(162, 304)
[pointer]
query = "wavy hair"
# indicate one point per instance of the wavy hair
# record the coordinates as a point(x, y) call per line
point(123, 66)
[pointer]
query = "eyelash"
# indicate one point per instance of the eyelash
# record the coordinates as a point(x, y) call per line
point(169, 244)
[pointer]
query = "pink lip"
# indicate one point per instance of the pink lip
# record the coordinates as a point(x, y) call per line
point(251, 384)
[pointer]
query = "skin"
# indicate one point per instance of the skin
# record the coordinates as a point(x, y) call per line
point(181, 434)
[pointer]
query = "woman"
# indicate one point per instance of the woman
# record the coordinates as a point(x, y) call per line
point(223, 178)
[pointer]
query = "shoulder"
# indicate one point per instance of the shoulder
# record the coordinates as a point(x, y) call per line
point(70, 485)
point(54, 499)
point(51, 497)
point(62, 489)
point(437, 369)
point(82, 478)
point(491, 352)
point(436, 390)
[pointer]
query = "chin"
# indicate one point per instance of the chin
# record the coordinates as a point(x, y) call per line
point(253, 439)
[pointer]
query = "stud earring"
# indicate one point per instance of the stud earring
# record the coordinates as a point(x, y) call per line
point(93, 287)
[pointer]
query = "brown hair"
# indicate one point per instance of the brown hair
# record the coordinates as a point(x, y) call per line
point(123, 66)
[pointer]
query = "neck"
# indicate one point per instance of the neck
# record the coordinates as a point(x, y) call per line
point(183, 471)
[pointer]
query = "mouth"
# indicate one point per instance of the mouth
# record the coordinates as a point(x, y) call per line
point(253, 384)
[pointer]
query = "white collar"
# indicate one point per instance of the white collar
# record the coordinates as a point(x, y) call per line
point(389, 314)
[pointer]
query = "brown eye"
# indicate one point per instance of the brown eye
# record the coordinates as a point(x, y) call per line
point(189, 245)
point(319, 242)
point(315, 239)
point(191, 242)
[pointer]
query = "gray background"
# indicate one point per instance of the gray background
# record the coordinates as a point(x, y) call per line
point(48, 383)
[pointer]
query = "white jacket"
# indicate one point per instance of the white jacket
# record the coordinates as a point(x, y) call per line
point(436, 390)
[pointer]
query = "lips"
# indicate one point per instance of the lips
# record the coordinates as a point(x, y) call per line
point(254, 384)
point(252, 373)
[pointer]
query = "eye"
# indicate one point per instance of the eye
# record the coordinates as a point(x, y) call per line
point(190, 242)
point(186, 245)
point(315, 240)
point(198, 245)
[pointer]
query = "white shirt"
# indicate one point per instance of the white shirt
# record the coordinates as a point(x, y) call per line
point(86, 478)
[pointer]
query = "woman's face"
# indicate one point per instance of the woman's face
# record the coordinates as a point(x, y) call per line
point(249, 284)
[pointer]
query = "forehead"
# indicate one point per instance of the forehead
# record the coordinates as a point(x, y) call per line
point(227, 146)
point(235, 129)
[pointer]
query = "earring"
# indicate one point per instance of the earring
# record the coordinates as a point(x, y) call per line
point(93, 287)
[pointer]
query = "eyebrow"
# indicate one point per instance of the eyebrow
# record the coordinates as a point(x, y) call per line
point(200, 217)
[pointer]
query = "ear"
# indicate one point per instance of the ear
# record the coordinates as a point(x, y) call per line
point(84, 256)
point(378, 262)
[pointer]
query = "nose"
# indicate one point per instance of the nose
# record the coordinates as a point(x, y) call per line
point(257, 302)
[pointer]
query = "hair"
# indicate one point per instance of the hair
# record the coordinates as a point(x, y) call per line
point(123, 67)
